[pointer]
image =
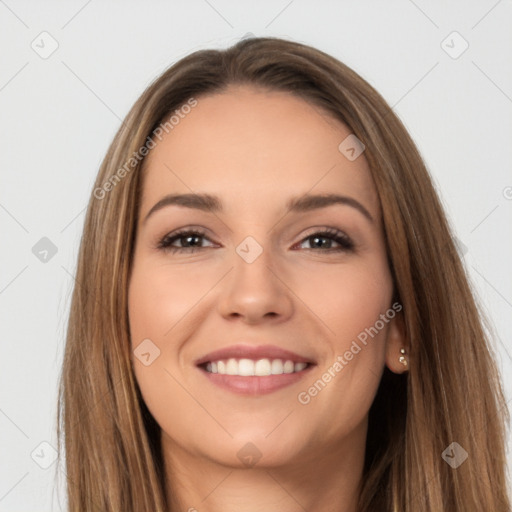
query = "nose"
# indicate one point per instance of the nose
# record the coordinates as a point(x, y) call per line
point(256, 292)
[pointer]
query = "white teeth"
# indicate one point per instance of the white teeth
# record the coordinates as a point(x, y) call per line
point(277, 367)
point(288, 367)
point(248, 367)
point(300, 366)
point(262, 367)
point(232, 367)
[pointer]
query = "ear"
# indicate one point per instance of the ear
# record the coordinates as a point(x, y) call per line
point(395, 341)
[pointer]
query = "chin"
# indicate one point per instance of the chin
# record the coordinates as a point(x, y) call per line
point(256, 449)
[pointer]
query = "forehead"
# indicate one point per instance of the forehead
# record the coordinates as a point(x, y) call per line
point(255, 147)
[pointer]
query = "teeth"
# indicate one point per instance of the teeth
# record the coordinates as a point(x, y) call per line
point(248, 367)
point(262, 367)
point(245, 367)
point(288, 367)
point(232, 367)
point(277, 367)
point(298, 366)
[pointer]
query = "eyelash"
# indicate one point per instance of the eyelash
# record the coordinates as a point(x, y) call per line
point(346, 244)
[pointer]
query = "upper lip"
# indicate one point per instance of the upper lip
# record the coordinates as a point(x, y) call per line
point(254, 352)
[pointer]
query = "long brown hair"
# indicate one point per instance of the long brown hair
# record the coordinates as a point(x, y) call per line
point(452, 391)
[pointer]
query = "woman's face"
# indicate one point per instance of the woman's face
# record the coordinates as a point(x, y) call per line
point(256, 277)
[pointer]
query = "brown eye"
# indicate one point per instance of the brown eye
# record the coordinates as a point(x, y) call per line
point(323, 240)
point(190, 241)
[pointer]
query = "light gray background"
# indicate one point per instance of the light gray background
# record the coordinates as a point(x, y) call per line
point(59, 114)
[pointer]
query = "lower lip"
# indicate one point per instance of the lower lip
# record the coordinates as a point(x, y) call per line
point(255, 385)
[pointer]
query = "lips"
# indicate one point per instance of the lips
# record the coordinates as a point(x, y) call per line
point(254, 370)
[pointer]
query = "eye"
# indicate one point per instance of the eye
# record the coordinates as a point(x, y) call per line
point(190, 241)
point(317, 241)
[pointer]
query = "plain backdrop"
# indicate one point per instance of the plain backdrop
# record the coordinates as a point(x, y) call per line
point(70, 71)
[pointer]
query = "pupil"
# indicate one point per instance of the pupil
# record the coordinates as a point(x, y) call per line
point(317, 238)
point(189, 238)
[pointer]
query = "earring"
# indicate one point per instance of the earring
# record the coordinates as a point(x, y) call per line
point(402, 358)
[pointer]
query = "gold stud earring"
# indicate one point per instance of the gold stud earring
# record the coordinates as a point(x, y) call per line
point(402, 358)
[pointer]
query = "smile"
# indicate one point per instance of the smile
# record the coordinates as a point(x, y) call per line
point(254, 377)
point(250, 367)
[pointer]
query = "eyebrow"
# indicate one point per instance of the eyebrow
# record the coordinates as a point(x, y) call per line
point(212, 204)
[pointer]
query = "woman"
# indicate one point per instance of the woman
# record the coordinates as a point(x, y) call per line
point(270, 311)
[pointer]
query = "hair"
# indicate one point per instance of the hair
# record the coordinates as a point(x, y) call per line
point(452, 391)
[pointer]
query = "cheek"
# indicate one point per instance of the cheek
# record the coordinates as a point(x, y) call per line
point(160, 297)
point(158, 300)
point(343, 389)
point(350, 301)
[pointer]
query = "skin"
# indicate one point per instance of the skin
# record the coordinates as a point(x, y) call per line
point(255, 149)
